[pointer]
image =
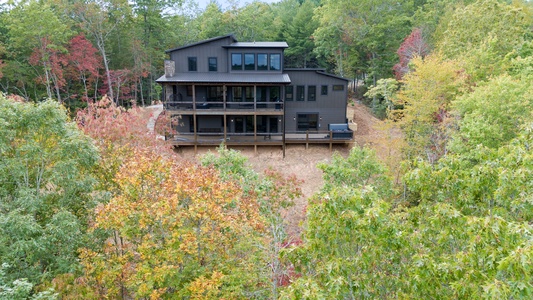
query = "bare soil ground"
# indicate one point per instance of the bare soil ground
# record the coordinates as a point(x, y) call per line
point(302, 162)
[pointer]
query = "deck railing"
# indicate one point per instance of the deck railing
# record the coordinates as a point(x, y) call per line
point(224, 106)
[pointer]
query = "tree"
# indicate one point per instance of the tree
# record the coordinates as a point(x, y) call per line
point(274, 193)
point(423, 105)
point(35, 26)
point(299, 37)
point(97, 20)
point(83, 62)
point(374, 29)
point(175, 230)
point(483, 33)
point(413, 46)
point(46, 191)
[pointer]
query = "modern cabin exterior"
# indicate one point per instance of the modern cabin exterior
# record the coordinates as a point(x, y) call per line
point(241, 94)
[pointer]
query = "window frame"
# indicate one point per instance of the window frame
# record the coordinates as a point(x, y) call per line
point(271, 61)
point(338, 87)
point(300, 93)
point(265, 66)
point(210, 67)
point(304, 118)
point(192, 63)
point(235, 67)
point(234, 91)
point(247, 67)
point(215, 93)
point(311, 93)
point(291, 93)
point(324, 90)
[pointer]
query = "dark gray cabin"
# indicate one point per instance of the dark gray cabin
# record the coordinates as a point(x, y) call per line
point(240, 93)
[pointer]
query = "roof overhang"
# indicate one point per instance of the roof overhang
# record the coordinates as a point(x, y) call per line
point(193, 77)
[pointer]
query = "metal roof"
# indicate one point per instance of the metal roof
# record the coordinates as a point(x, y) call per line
point(317, 70)
point(194, 77)
point(257, 45)
point(203, 42)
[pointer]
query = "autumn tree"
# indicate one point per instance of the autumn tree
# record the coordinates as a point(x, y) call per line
point(116, 132)
point(83, 63)
point(423, 105)
point(175, 230)
point(274, 193)
point(35, 27)
point(413, 46)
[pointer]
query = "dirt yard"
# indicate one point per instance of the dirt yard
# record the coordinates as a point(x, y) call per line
point(302, 162)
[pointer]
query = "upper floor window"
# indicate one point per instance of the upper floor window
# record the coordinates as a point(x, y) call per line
point(289, 93)
point(275, 62)
point(212, 62)
point(311, 93)
point(338, 87)
point(192, 64)
point(262, 62)
point(300, 90)
point(324, 90)
point(236, 61)
point(249, 61)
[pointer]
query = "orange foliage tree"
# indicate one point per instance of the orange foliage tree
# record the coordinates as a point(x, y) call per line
point(176, 229)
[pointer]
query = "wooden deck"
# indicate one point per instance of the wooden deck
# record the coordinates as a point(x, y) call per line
point(260, 139)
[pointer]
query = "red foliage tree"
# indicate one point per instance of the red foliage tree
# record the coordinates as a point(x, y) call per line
point(50, 58)
point(413, 45)
point(83, 62)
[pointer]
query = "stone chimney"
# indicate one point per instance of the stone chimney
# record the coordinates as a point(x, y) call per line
point(170, 68)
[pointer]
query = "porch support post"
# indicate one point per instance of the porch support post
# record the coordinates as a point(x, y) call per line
point(225, 126)
point(194, 116)
point(283, 120)
point(255, 97)
point(224, 97)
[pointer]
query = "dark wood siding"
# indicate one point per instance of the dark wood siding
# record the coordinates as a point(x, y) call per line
point(203, 52)
point(331, 108)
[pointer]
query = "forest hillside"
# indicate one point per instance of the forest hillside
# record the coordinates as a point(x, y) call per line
point(435, 202)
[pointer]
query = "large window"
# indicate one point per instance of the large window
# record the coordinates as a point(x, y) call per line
point(324, 90)
point(307, 122)
point(274, 93)
point(311, 93)
point(249, 61)
point(236, 61)
point(261, 94)
point(289, 93)
point(237, 93)
point(262, 62)
point(300, 93)
point(192, 64)
point(214, 93)
point(275, 62)
point(249, 93)
point(212, 61)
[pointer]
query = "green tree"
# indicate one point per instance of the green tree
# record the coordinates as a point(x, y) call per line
point(274, 193)
point(483, 33)
point(299, 37)
point(35, 27)
point(45, 191)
